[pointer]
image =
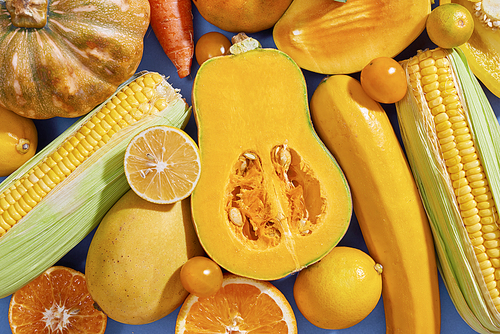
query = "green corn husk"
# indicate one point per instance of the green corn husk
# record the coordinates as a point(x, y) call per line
point(456, 258)
point(71, 210)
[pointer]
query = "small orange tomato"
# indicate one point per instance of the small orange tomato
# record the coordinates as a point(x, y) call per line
point(211, 44)
point(201, 276)
point(384, 80)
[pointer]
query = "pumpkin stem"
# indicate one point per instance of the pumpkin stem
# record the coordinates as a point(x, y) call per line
point(28, 13)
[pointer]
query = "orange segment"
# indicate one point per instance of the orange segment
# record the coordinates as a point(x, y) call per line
point(242, 305)
point(162, 164)
point(56, 302)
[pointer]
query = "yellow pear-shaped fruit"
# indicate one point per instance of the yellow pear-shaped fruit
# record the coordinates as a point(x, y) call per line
point(135, 257)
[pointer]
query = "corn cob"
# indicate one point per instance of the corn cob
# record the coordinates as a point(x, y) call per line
point(54, 200)
point(451, 137)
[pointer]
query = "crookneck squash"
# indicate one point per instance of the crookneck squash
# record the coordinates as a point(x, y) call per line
point(482, 50)
point(386, 201)
point(62, 58)
point(333, 37)
point(271, 199)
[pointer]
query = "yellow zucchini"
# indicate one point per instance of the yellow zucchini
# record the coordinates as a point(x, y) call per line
point(387, 204)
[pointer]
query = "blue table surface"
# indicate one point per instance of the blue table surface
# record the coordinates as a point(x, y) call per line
point(154, 59)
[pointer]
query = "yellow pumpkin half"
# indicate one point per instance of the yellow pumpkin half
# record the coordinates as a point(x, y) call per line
point(332, 37)
point(271, 199)
point(482, 50)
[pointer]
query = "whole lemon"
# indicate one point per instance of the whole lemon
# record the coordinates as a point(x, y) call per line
point(340, 290)
point(18, 141)
point(449, 25)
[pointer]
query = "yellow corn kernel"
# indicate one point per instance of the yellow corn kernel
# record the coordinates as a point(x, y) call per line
point(4, 227)
point(487, 228)
point(491, 243)
point(492, 235)
point(34, 195)
point(29, 200)
point(468, 205)
point(481, 257)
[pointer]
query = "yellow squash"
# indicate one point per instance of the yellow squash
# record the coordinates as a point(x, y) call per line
point(386, 201)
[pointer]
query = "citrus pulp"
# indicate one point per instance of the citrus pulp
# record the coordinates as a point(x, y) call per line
point(55, 302)
point(162, 164)
point(242, 305)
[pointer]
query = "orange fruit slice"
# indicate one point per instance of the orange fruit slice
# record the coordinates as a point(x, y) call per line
point(162, 164)
point(242, 305)
point(55, 302)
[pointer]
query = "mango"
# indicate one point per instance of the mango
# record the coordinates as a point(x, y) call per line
point(135, 257)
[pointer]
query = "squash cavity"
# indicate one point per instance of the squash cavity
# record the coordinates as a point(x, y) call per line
point(252, 217)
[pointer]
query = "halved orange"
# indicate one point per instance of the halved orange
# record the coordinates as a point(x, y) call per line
point(242, 305)
point(162, 164)
point(55, 302)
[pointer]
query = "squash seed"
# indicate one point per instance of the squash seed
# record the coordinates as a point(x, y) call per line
point(249, 156)
point(243, 165)
point(284, 157)
point(235, 216)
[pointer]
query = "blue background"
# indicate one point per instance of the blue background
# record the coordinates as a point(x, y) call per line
point(154, 59)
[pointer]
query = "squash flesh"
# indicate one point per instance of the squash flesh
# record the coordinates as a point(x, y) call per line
point(262, 100)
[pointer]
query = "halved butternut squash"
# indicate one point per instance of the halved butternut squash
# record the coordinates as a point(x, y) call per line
point(271, 199)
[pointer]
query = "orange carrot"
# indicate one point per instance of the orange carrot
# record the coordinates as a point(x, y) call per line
point(172, 23)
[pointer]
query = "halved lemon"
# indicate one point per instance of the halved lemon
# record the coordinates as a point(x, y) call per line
point(162, 164)
point(56, 302)
point(242, 305)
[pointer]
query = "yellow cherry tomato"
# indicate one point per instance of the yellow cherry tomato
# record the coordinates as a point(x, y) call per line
point(201, 276)
point(211, 44)
point(384, 80)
